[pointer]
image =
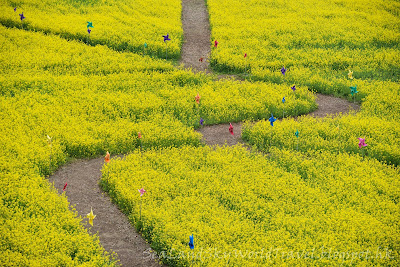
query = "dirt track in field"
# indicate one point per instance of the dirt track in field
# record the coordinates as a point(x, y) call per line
point(327, 105)
point(196, 35)
point(112, 226)
point(83, 176)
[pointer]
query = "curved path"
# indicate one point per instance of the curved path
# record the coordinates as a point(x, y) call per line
point(114, 230)
point(327, 105)
point(112, 226)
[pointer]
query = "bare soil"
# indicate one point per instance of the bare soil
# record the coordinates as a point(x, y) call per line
point(196, 35)
point(112, 226)
point(330, 105)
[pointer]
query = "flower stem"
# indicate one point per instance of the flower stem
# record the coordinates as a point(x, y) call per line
point(140, 209)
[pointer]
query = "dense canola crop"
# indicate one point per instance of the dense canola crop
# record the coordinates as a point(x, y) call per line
point(128, 85)
point(121, 25)
point(90, 100)
point(317, 41)
point(330, 202)
point(337, 135)
point(36, 226)
point(383, 102)
point(247, 209)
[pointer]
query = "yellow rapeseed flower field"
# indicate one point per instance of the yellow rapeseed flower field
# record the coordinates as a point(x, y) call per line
point(338, 135)
point(316, 41)
point(246, 209)
point(90, 100)
point(121, 25)
point(315, 199)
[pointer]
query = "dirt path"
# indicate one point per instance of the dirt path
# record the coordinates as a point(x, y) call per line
point(196, 44)
point(114, 230)
point(328, 105)
point(220, 135)
point(196, 35)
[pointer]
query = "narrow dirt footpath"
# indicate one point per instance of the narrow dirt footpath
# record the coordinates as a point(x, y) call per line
point(196, 35)
point(327, 105)
point(330, 105)
point(112, 226)
point(115, 232)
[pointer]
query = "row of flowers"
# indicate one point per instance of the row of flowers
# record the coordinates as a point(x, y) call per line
point(338, 135)
point(138, 91)
point(125, 26)
point(317, 47)
point(236, 205)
